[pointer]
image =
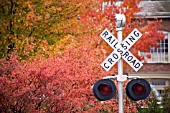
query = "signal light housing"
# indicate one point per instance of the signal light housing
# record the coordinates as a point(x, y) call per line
point(138, 89)
point(104, 89)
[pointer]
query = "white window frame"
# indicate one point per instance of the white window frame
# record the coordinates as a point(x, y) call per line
point(160, 57)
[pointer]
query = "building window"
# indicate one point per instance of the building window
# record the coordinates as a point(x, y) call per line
point(160, 54)
point(161, 92)
point(159, 82)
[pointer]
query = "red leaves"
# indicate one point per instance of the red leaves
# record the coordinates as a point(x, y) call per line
point(151, 36)
point(60, 82)
point(148, 56)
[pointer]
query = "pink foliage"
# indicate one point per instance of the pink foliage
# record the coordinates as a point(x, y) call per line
point(56, 84)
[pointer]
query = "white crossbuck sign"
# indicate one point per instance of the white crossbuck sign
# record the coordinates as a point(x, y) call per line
point(121, 49)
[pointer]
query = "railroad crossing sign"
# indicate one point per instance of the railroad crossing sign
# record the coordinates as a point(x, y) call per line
point(121, 49)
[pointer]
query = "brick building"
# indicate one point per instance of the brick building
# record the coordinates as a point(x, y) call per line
point(157, 69)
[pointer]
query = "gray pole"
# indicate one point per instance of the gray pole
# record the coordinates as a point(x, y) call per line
point(120, 73)
point(120, 23)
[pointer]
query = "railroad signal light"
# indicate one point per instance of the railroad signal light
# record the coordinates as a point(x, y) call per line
point(138, 89)
point(104, 89)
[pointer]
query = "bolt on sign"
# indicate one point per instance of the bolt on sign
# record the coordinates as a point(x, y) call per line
point(121, 49)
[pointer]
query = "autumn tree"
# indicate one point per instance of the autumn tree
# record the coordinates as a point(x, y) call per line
point(33, 27)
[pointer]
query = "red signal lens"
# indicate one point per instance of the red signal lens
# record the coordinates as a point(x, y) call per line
point(105, 89)
point(139, 89)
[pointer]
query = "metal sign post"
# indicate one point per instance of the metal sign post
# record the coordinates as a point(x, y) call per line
point(120, 73)
point(120, 22)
